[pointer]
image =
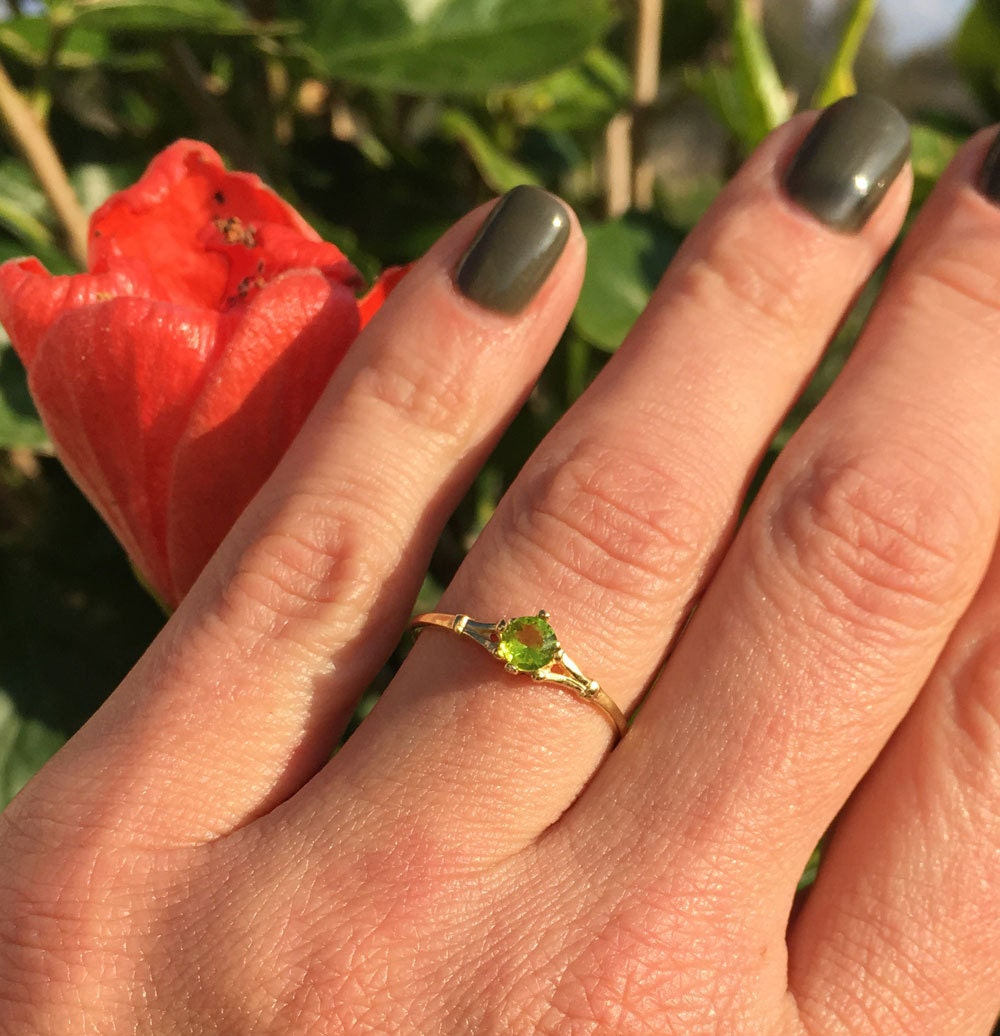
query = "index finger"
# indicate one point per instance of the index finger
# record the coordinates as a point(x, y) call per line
point(247, 689)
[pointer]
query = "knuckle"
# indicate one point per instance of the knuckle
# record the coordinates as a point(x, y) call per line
point(970, 734)
point(958, 279)
point(615, 522)
point(437, 391)
point(315, 558)
point(740, 278)
point(882, 543)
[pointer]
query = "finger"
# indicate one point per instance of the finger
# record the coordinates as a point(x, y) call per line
point(244, 694)
point(615, 522)
point(856, 560)
point(902, 931)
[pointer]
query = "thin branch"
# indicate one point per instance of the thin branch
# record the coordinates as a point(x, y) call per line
point(30, 136)
point(646, 55)
point(629, 173)
point(648, 38)
point(618, 164)
point(188, 78)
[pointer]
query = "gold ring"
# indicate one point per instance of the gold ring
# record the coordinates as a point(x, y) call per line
point(528, 644)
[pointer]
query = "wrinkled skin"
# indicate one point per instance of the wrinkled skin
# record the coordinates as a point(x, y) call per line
point(475, 860)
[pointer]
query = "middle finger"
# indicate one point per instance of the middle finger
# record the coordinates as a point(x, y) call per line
point(614, 523)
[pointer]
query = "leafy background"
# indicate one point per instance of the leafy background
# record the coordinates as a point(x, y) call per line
point(383, 121)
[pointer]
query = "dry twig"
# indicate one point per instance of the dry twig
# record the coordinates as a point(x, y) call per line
point(34, 143)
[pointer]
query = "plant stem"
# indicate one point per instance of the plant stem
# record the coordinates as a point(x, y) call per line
point(189, 81)
point(647, 86)
point(628, 171)
point(618, 164)
point(839, 80)
point(34, 143)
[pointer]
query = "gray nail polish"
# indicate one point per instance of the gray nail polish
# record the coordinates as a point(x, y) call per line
point(514, 251)
point(989, 175)
point(849, 160)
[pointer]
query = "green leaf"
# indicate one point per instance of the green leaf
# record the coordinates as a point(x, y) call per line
point(975, 51)
point(74, 618)
point(747, 92)
point(212, 16)
point(30, 41)
point(95, 182)
point(499, 172)
point(25, 744)
point(768, 102)
point(932, 150)
point(24, 212)
point(625, 260)
point(582, 97)
point(80, 36)
point(452, 46)
point(19, 188)
point(25, 227)
point(839, 81)
point(83, 39)
point(811, 869)
point(20, 424)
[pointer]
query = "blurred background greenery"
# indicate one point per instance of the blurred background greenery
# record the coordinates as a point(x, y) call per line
point(383, 121)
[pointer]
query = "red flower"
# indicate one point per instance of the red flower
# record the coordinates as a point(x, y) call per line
point(173, 376)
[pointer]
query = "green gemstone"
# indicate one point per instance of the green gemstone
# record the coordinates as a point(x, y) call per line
point(527, 643)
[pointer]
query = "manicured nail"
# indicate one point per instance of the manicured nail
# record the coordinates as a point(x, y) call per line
point(514, 251)
point(989, 175)
point(849, 160)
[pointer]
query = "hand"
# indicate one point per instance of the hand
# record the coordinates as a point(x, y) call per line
point(475, 859)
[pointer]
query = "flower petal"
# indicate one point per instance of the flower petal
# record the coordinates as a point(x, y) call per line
point(31, 298)
point(175, 374)
point(260, 390)
point(369, 305)
point(209, 236)
point(115, 382)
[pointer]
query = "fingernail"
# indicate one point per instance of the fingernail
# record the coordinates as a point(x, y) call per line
point(514, 251)
point(849, 160)
point(989, 175)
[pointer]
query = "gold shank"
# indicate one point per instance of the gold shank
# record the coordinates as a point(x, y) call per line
point(567, 675)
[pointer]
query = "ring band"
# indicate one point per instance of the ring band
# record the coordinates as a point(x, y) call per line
point(528, 645)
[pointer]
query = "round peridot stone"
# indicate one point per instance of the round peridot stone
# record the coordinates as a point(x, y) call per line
point(527, 643)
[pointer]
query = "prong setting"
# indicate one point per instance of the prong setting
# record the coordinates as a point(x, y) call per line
point(528, 646)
